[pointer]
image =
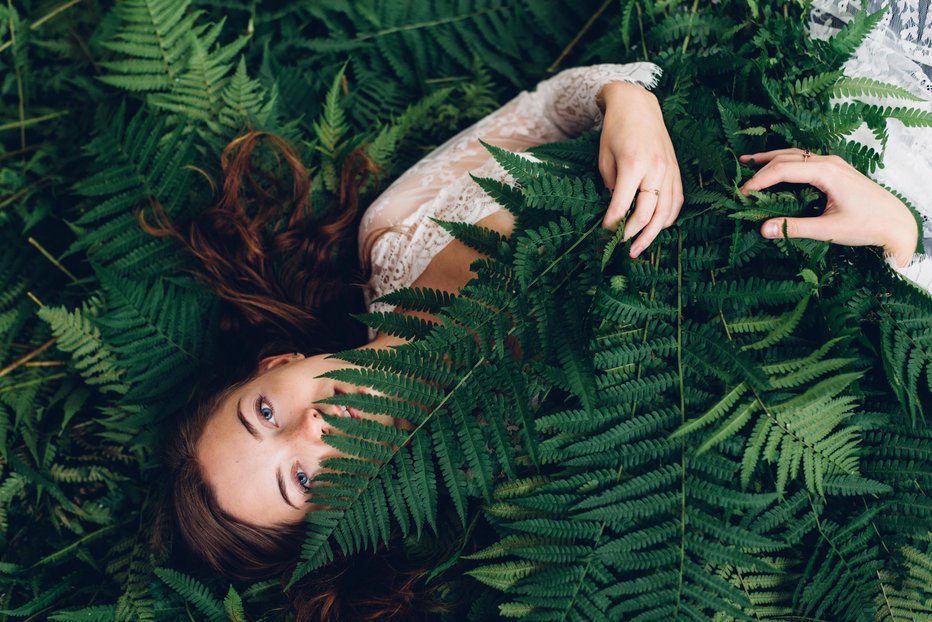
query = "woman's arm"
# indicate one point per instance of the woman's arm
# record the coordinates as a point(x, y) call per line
point(858, 212)
point(559, 107)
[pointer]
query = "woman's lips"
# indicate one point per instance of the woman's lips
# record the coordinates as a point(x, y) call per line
point(355, 414)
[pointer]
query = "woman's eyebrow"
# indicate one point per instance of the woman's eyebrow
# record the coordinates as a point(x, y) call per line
point(249, 427)
point(281, 488)
point(278, 472)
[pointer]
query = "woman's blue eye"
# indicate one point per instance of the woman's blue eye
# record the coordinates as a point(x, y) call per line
point(303, 480)
point(265, 410)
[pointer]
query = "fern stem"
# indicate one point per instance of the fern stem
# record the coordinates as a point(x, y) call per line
point(721, 313)
point(556, 261)
point(16, 152)
point(61, 8)
point(24, 190)
point(21, 105)
point(54, 261)
point(637, 6)
point(163, 49)
point(428, 24)
point(46, 363)
point(29, 383)
point(679, 365)
point(883, 591)
point(747, 591)
point(25, 359)
point(77, 543)
point(679, 322)
point(50, 15)
point(82, 45)
point(23, 123)
point(815, 516)
point(689, 29)
point(686, 39)
point(579, 35)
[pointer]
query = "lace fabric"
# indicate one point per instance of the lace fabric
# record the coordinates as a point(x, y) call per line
point(919, 270)
point(908, 22)
point(439, 185)
point(898, 51)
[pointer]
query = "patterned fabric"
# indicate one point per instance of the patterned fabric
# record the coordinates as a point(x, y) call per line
point(898, 51)
point(919, 271)
point(908, 21)
point(439, 186)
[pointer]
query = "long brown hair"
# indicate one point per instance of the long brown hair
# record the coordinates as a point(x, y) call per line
point(288, 279)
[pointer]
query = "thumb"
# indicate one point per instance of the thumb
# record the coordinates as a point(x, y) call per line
point(813, 228)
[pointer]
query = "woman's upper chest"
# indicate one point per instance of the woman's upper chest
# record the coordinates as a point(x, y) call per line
point(405, 245)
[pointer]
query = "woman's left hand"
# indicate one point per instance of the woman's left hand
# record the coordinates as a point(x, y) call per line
point(858, 211)
point(637, 161)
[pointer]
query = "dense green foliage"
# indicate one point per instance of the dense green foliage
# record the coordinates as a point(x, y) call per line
point(727, 428)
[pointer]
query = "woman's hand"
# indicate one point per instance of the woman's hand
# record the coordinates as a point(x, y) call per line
point(858, 212)
point(635, 157)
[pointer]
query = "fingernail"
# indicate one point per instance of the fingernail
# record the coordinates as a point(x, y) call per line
point(771, 230)
point(636, 250)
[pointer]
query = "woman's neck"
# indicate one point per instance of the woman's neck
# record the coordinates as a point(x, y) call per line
point(383, 340)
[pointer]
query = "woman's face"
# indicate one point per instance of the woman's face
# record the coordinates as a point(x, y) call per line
point(263, 444)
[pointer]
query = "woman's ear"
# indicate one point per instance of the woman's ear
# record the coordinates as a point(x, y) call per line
point(279, 359)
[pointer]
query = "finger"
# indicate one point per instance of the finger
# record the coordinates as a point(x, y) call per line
point(609, 173)
point(664, 206)
point(625, 188)
point(815, 228)
point(678, 199)
point(644, 207)
point(766, 156)
point(813, 172)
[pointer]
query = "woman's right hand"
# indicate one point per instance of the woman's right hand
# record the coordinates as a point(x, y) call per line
point(858, 212)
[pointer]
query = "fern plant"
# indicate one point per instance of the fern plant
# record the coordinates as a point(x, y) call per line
point(726, 428)
point(639, 508)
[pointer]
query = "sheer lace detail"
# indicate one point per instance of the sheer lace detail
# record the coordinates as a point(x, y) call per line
point(405, 254)
point(919, 271)
point(439, 185)
point(909, 22)
point(898, 51)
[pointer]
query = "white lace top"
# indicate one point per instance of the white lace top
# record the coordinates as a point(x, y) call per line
point(440, 186)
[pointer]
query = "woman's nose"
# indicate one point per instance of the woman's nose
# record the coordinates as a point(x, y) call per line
point(309, 424)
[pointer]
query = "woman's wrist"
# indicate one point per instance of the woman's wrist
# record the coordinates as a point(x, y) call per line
point(903, 236)
point(901, 251)
point(618, 90)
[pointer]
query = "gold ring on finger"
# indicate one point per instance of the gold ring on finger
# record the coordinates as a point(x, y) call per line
point(806, 155)
point(655, 191)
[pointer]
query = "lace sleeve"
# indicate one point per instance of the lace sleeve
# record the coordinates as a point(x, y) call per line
point(439, 185)
point(919, 271)
point(560, 107)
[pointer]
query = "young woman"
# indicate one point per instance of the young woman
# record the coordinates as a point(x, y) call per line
point(246, 453)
